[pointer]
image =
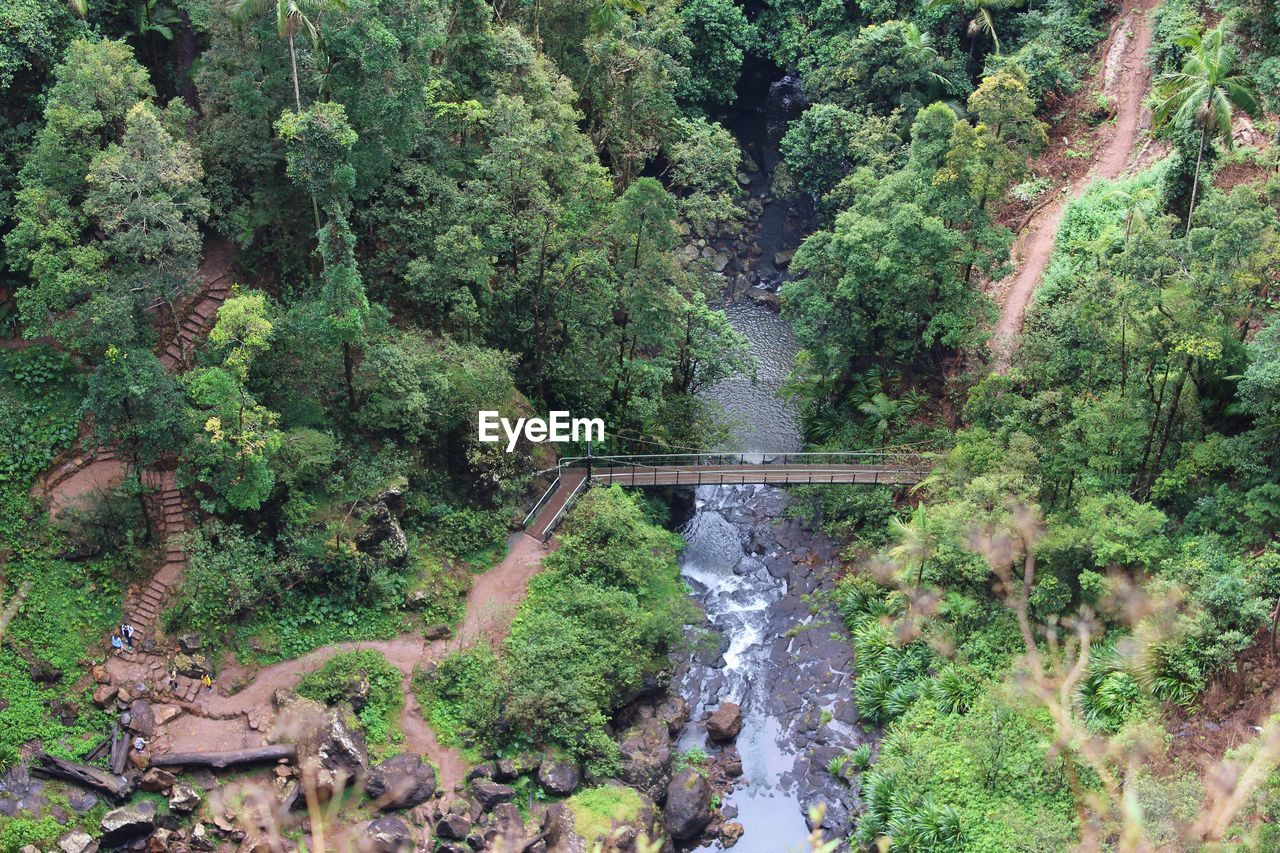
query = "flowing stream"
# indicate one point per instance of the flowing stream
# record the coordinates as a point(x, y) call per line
point(754, 573)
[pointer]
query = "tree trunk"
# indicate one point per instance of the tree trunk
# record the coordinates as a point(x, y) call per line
point(348, 371)
point(221, 760)
point(1195, 181)
point(1168, 425)
point(82, 774)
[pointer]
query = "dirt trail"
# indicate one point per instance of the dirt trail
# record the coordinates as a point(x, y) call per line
point(1125, 78)
point(217, 722)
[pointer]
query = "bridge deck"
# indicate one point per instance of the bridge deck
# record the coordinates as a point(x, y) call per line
point(573, 480)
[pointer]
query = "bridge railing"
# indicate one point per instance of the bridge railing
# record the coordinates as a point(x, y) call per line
point(905, 461)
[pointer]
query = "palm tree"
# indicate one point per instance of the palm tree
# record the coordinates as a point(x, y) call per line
point(881, 410)
point(1205, 93)
point(291, 17)
point(921, 44)
point(915, 541)
point(983, 20)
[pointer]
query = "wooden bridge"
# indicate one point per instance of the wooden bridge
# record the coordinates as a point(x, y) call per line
point(718, 469)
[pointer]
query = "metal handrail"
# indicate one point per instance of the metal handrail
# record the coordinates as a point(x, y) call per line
point(555, 519)
point(911, 461)
point(546, 496)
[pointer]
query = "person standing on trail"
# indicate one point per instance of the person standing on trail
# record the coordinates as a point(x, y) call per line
point(207, 681)
point(173, 680)
point(127, 631)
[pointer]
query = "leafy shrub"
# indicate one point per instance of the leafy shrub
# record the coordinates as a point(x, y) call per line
point(39, 395)
point(600, 619)
point(342, 679)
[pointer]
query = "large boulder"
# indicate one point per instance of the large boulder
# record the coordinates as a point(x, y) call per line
point(724, 723)
point(489, 793)
point(609, 819)
point(508, 769)
point(127, 823)
point(674, 711)
point(77, 841)
point(558, 776)
point(508, 825)
point(382, 535)
point(400, 782)
point(157, 779)
point(453, 825)
point(688, 808)
point(386, 835)
point(142, 718)
point(184, 799)
point(333, 745)
point(646, 757)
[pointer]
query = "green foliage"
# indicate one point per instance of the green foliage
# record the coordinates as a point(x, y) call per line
point(597, 810)
point(975, 781)
point(70, 608)
point(597, 621)
point(19, 832)
point(230, 574)
point(828, 143)
point(38, 396)
point(720, 36)
point(369, 683)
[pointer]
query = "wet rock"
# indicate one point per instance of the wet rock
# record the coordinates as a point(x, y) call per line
point(731, 762)
point(438, 631)
point(724, 723)
point(77, 841)
point(507, 769)
point(386, 835)
point(382, 535)
point(719, 262)
point(489, 793)
point(633, 819)
point(142, 720)
point(127, 823)
point(185, 798)
point(157, 779)
point(688, 807)
point(646, 757)
point(192, 665)
point(81, 802)
point(454, 826)
point(782, 259)
point(191, 641)
point(730, 833)
point(558, 776)
point(508, 825)
point(401, 782)
point(674, 711)
point(483, 770)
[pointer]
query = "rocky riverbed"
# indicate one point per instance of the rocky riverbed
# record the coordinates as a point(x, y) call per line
point(779, 650)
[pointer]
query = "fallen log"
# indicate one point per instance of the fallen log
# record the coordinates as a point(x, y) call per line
point(119, 750)
point(84, 775)
point(222, 760)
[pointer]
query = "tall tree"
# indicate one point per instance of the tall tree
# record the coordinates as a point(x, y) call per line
point(1205, 94)
point(319, 141)
point(292, 17)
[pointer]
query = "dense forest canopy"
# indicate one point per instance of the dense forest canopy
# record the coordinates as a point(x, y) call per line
point(285, 252)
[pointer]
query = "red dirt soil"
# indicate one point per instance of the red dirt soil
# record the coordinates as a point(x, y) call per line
point(1124, 77)
point(216, 722)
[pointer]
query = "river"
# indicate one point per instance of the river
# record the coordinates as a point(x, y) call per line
point(757, 575)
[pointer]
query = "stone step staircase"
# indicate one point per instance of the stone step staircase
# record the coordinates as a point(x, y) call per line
point(196, 323)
